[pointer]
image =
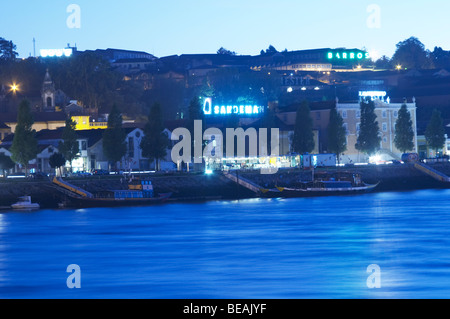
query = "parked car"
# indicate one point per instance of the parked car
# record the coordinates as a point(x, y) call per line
point(100, 172)
point(82, 174)
point(39, 175)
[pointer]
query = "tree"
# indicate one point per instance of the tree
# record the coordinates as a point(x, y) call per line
point(337, 141)
point(303, 140)
point(24, 147)
point(383, 63)
point(69, 146)
point(435, 132)
point(57, 161)
point(114, 145)
point(369, 138)
point(404, 133)
point(411, 53)
point(89, 77)
point(155, 141)
point(441, 58)
point(5, 163)
point(270, 50)
point(7, 50)
point(224, 51)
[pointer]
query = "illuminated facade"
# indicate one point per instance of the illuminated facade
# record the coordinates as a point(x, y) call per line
point(84, 123)
point(387, 115)
point(319, 60)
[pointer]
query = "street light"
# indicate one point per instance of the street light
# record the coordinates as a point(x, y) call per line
point(14, 88)
point(398, 67)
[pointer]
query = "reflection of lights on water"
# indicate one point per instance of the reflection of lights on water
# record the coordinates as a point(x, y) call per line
point(2, 223)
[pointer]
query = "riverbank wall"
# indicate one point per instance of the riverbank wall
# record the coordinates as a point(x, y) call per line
point(201, 187)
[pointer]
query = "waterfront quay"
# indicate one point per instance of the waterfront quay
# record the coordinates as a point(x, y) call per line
point(204, 187)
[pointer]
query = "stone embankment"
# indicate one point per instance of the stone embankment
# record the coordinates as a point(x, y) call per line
point(186, 187)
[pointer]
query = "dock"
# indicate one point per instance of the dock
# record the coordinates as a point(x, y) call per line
point(243, 182)
point(432, 172)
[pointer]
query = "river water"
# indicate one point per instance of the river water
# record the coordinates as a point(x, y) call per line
point(257, 248)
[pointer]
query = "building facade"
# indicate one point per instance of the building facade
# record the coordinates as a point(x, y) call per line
point(387, 115)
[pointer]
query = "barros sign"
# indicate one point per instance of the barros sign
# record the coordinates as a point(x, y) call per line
point(347, 55)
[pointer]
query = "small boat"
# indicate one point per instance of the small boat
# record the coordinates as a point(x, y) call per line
point(139, 192)
point(25, 203)
point(108, 199)
point(324, 184)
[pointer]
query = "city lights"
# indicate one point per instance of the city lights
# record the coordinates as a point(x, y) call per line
point(209, 109)
point(347, 55)
point(14, 88)
point(56, 53)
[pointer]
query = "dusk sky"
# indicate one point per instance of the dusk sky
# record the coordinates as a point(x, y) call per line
point(244, 26)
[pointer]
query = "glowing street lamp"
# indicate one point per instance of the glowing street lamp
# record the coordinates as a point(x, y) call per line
point(14, 88)
point(398, 67)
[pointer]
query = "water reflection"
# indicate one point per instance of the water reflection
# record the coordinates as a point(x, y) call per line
point(275, 248)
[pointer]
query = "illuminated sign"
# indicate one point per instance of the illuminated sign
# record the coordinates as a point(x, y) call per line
point(347, 55)
point(209, 109)
point(372, 93)
point(56, 52)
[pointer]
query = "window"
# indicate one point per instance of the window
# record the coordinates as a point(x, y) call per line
point(384, 127)
point(395, 113)
point(344, 114)
point(358, 127)
point(346, 128)
point(358, 114)
point(385, 139)
point(384, 114)
point(83, 145)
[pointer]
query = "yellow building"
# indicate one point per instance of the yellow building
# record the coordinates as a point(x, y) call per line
point(84, 123)
point(387, 114)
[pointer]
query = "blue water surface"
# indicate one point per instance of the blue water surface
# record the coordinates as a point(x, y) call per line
point(256, 248)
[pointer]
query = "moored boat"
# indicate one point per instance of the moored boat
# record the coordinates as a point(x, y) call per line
point(324, 184)
point(25, 203)
point(139, 192)
point(105, 201)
